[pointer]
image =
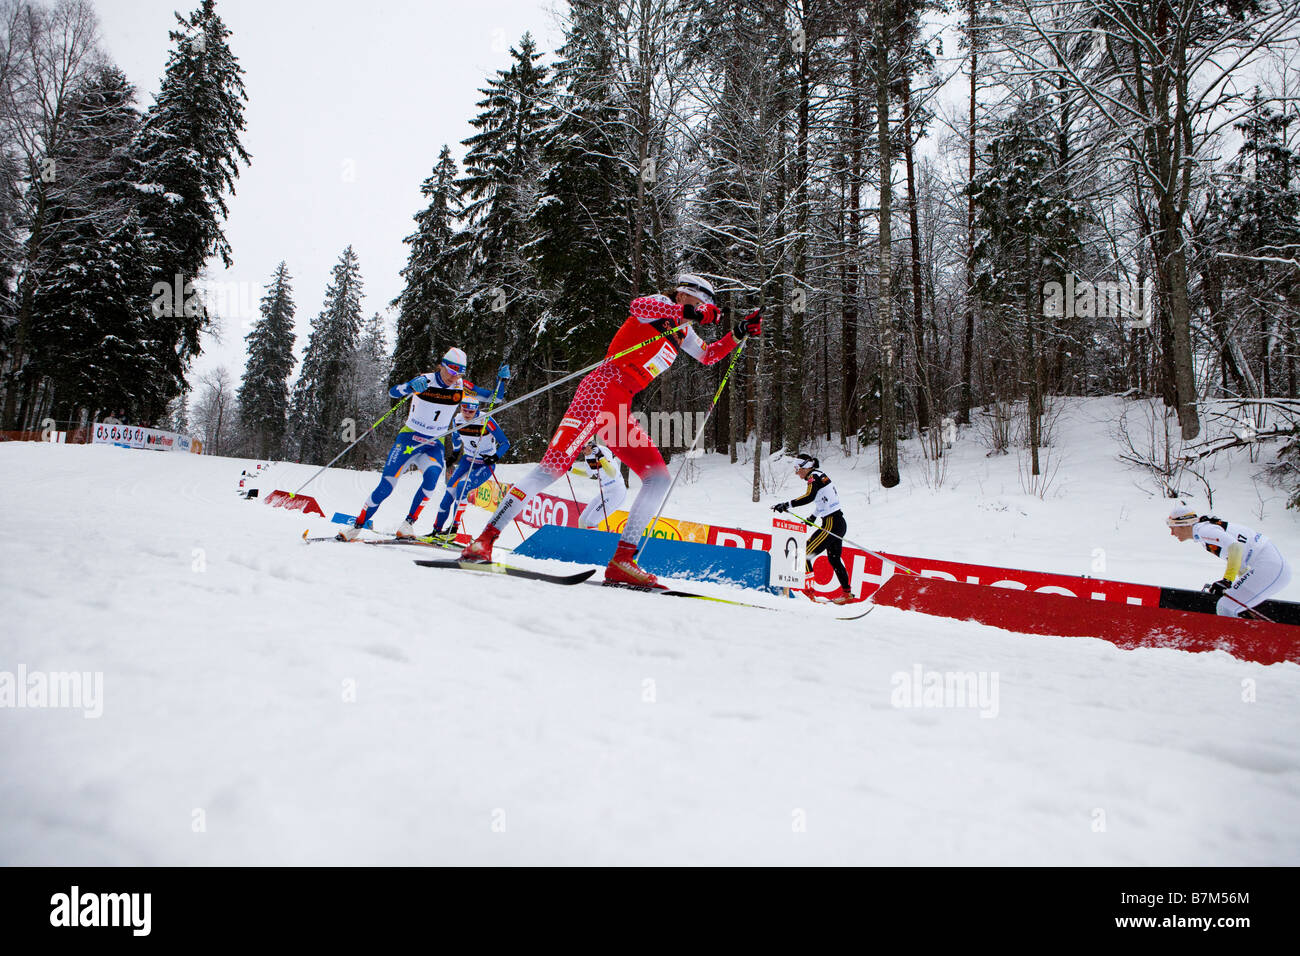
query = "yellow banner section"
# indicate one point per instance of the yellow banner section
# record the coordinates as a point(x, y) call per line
point(489, 494)
point(669, 529)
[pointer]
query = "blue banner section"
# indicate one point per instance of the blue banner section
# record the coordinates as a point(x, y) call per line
point(341, 518)
point(740, 567)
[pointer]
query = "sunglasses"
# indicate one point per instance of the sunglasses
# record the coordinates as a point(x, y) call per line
point(454, 367)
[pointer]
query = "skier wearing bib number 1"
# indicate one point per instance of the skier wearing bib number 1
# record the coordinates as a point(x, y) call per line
point(435, 399)
point(604, 402)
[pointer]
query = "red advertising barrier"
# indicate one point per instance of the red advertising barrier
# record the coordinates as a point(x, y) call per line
point(868, 572)
point(548, 509)
point(1126, 626)
point(283, 499)
point(1066, 585)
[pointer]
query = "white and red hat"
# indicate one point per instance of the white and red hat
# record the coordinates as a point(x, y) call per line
point(697, 286)
point(455, 358)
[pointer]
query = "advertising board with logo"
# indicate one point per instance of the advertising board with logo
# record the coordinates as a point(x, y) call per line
point(137, 436)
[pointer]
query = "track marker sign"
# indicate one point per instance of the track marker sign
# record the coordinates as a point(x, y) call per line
point(789, 543)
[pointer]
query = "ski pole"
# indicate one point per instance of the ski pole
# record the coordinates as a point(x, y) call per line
point(456, 488)
point(571, 491)
point(1253, 612)
point(503, 493)
point(326, 466)
point(460, 498)
point(874, 554)
point(699, 432)
point(583, 371)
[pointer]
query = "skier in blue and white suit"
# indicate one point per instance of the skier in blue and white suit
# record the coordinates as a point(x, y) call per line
point(484, 443)
point(435, 397)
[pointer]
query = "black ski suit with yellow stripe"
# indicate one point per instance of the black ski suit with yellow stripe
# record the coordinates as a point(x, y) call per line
point(829, 537)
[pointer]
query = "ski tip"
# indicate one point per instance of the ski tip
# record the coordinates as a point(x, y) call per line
point(857, 617)
point(305, 532)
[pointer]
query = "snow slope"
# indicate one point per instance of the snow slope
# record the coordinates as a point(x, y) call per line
point(265, 702)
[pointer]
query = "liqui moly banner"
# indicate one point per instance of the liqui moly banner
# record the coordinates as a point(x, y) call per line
point(137, 436)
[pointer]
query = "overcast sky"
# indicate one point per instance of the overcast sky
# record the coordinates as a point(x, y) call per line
point(348, 106)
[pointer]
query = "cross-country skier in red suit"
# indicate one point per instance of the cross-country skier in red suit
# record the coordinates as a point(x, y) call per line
point(602, 407)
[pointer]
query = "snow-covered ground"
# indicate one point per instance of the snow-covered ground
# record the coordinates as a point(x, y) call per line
point(265, 702)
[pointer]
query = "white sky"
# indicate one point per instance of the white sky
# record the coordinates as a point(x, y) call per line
point(348, 106)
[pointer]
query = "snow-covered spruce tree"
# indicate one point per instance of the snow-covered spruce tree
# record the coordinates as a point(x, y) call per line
point(188, 154)
point(264, 389)
point(1262, 241)
point(583, 249)
point(48, 53)
point(499, 317)
point(91, 343)
point(434, 272)
point(322, 396)
point(371, 367)
point(1027, 228)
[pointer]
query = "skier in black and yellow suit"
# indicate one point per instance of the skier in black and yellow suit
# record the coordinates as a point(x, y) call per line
point(829, 538)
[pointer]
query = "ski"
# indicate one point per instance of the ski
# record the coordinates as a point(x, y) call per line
point(681, 594)
point(452, 563)
point(718, 600)
point(421, 542)
point(308, 538)
point(856, 617)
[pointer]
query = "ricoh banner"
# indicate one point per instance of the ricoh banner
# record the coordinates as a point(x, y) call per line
point(137, 436)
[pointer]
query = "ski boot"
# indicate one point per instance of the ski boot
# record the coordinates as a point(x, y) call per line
point(479, 551)
point(623, 569)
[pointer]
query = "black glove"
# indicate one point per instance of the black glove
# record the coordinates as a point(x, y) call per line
point(491, 460)
point(1217, 588)
point(453, 456)
point(751, 324)
point(782, 506)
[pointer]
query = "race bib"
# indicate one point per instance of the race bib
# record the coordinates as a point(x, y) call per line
point(661, 360)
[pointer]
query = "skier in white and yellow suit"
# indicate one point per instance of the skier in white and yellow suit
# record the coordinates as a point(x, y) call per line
point(1255, 569)
point(597, 463)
